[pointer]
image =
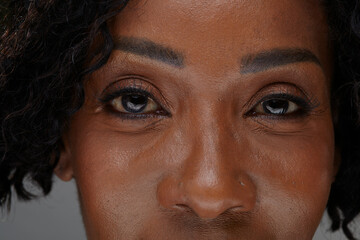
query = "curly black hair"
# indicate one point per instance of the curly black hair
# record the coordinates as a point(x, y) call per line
point(43, 50)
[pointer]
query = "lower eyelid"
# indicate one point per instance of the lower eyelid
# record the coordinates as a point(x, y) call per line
point(130, 116)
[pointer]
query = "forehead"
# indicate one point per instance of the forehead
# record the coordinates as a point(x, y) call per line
point(206, 31)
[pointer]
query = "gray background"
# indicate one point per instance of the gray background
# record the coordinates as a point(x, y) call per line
point(57, 217)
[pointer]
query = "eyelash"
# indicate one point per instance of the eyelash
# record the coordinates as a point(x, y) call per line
point(305, 105)
point(131, 116)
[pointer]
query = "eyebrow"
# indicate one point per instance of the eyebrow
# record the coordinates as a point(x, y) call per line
point(146, 48)
point(254, 63)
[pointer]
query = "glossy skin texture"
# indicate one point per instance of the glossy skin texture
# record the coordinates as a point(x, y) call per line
point(207, 161)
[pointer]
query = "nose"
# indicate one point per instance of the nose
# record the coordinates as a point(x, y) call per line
point(210, 182)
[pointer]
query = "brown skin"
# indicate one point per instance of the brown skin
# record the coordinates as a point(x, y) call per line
point(216, 166)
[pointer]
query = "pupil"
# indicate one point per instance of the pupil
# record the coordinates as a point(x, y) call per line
point(276, 106)
point(134, 103)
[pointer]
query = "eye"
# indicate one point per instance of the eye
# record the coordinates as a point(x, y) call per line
point(134, 103)
point(277, 107)
point(282, 105)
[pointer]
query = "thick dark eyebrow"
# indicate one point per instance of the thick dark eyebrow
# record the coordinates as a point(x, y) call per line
point(262, 61)
point(149, 49)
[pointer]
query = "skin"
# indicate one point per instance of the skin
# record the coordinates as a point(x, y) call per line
point(214, 166)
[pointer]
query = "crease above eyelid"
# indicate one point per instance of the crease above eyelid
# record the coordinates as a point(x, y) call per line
point(130, 82)
point(287, 97)
point(110, 95)
point(274, 88)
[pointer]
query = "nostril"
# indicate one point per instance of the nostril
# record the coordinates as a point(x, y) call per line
point(183, 208)
point(237, 209)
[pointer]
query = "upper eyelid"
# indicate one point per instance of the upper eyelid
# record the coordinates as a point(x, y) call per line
point(128, 81)
point(250, 104)
point(137, 82)
point(284, 96)
point(115, 94)
point(305, 104)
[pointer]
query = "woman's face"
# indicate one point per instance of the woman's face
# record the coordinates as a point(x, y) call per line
point(211, 120)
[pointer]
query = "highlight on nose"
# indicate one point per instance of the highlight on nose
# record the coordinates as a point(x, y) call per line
point(207, 201)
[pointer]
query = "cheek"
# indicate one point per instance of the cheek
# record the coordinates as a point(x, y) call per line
point(295, 175)
point(116, 189)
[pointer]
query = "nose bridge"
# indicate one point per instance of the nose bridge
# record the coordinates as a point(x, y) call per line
point(212, 168)
point(207, 164)
point(213, 141)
